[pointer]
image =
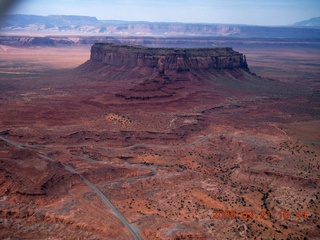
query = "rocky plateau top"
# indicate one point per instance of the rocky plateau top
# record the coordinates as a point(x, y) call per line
point(179, 59)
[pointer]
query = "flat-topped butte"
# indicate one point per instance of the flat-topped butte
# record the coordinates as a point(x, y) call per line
point(179, 59)
point(192, 52)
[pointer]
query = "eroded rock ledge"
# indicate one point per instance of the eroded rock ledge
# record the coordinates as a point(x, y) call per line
point(179, 59)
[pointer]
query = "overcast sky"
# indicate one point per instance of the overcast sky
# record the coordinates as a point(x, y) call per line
point(257, 12)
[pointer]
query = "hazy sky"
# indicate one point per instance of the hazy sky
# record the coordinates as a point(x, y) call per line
point(258, 12)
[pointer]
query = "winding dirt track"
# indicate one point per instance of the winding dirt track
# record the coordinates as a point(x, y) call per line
point(153, 172)
point(93, 187)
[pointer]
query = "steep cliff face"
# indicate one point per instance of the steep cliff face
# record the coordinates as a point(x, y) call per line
point(164, 59)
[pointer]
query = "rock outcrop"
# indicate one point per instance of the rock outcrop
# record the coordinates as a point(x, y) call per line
point(178, 59)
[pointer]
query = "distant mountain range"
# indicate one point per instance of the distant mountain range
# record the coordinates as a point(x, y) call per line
point(91, 26)
point(312, 22)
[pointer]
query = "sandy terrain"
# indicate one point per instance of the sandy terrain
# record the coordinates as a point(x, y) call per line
point(29, 60)
point(229, 156)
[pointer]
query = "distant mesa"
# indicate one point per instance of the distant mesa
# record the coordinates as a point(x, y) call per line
point(157, 73)
point(53, 25)
point(167, 59)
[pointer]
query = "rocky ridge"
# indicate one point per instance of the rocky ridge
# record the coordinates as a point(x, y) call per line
point(19, 24)
point(162, 72)
point(179, 59)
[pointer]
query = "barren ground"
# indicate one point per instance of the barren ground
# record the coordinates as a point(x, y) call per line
point(174, 168)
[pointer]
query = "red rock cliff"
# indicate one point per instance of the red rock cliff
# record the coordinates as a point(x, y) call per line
point(179, 59)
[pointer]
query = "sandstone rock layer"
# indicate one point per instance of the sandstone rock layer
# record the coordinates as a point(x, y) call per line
point(179, 59)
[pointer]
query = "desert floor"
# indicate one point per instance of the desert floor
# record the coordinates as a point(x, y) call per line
point(224, 159)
